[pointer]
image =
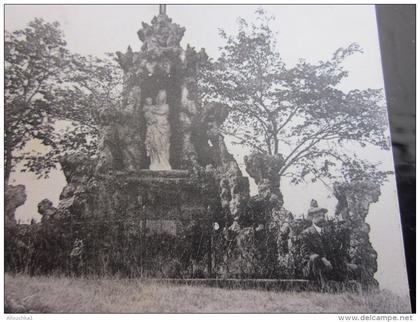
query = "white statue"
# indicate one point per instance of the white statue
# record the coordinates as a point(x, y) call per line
point(158, 132)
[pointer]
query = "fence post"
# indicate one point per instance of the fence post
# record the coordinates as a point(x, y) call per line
point(143, 238)
point(210, 243)
point(140, 207)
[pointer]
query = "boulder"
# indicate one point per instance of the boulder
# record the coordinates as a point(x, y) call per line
point(14, 196)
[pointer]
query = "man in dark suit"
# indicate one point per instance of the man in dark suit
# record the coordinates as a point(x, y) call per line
point(317, 265)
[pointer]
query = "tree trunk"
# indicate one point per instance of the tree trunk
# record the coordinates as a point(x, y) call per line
point(275, 138)
point(276, 145)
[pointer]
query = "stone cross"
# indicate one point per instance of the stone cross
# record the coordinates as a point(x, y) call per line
point(162, 9)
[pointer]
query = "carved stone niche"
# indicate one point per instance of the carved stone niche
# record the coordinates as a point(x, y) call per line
point(157, 68)
point(196, 142)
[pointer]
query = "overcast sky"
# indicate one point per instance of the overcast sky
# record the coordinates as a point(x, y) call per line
point(313, 32)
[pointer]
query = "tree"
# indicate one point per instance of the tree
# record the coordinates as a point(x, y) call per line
point(35, 60)
point(297, 112)
point(45, 85)
point(91, 85)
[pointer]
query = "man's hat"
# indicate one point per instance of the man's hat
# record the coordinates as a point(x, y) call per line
point(315, 209)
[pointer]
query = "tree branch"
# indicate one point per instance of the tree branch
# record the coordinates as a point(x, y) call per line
point(252, 145)
point(296, 157)
point(287, 120)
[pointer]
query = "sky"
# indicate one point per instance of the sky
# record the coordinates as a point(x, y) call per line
point(313, 32)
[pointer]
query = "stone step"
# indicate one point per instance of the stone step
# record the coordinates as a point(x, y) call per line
point(163, 173)
point(153, 173)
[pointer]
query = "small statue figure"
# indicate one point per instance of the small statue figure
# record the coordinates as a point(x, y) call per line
point(233, 230)
point(286, 234)
point(158, 132)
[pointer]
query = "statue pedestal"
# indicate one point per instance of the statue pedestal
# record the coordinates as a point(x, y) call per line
point(161, 221)
point(165, 195)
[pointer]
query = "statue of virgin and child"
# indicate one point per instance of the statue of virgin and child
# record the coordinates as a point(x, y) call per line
point(158, 131)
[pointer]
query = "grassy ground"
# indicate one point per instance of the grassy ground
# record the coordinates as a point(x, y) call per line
point(112, 295)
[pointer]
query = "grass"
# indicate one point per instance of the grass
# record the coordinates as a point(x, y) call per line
point(47, 294)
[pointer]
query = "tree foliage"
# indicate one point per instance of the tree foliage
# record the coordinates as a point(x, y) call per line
point(35, 60)
point(92, 85)
point(52, 95)
point(299, 112)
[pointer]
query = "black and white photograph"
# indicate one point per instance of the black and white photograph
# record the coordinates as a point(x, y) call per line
point(210, 158)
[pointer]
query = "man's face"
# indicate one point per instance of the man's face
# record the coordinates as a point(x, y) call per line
point(319, 219)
